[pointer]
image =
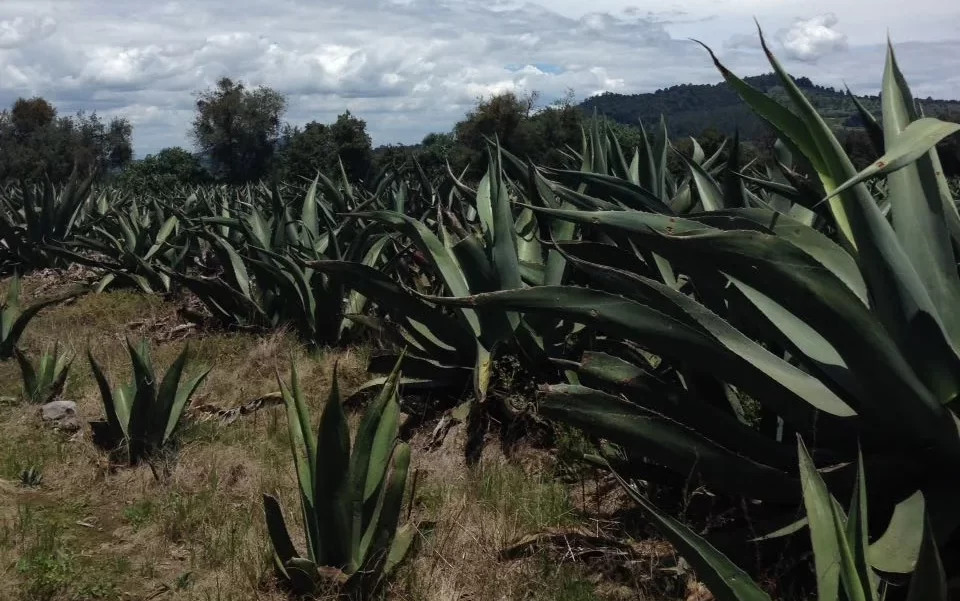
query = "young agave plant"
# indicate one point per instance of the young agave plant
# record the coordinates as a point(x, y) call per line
point(141, 414)
point(351, 502)
point(13, 320)
point(45, 381)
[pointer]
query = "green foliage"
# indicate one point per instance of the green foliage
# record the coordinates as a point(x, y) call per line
point(351, 501)
point(136, 244)
point(46, 380)
point(145, 414)
point(30, 477)
point(324, 148)
point(34, 217)
point(839, 540)
point(36, 143)
point(162, 174)
point(737, 295)
point(237, 129)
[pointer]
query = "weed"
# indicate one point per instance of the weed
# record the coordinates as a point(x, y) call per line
point(140, 513)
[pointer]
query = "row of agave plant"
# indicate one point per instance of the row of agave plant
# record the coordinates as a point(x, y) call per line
point(695, 328)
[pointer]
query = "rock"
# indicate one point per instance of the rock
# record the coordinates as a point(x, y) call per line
point(61, 415)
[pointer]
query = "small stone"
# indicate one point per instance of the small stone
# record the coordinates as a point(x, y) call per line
point(61, 415)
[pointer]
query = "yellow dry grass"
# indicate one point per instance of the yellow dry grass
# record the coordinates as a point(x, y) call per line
point(95, 531)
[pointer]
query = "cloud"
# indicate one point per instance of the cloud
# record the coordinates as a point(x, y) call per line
point(407, 67)
point(810, 39)
point(19, 30)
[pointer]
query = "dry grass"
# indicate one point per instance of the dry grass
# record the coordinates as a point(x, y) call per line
point(92, 531)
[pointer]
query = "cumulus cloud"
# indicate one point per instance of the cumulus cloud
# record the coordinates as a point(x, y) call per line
point(407, 67)
point(810, 39)
point(19, 30)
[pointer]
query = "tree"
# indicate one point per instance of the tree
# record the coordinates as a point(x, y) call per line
point(237, 129)
point(320, 147)
point(498, 117)
point(353, 144)
point(35, 142)
point(163, 172)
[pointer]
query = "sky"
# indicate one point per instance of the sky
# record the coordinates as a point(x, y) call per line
point(410, 67)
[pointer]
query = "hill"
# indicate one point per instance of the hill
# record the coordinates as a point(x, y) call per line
point(690, 109)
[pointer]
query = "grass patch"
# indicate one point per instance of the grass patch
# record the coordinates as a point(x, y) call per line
point(199, 533)
point(50, 566)
point(532, 501)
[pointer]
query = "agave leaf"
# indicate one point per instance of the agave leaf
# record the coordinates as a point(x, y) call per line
point(711, 195)
point(825, 533)
point(504, 252)
point(702, 337)
point(117, 413)
point(372, 447)
point(374, 284)
point(913, 142)
point(16, 322)
point(238, 274)
point(400, 548)
point(283, 548)
point(902, 302)
point(61, 370)
point(28, 374)
point(308, 215)
point(856, 534)
point(331, 493)
point(874, 131)
point(921, 216)
point(722, 577)
point(142, 402)
point(929, 582)
point(897, 549)
point(814, 293)
point(166, 397)
point(603, 186)
point(184, 393)
point(666, 441)
point(485, 207)
point(389, 508)
point(357, 301)
point(303, 461)
point(385, 435)
point(304, 576)
point(165, 230)
point(443, 259)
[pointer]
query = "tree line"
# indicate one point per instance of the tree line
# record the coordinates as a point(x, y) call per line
point(239, 135)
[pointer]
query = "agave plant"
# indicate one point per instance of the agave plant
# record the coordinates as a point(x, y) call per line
point(37, 216)
point(31, 477)
point(146, 417)
point(134, 245)
point(261, 248)
point(833, 339)
point(479, 246)
point(844, 561)
point(351, 501)
point(45, 381)
point(13, 320)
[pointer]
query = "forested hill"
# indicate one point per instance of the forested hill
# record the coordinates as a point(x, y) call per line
point(690, 109)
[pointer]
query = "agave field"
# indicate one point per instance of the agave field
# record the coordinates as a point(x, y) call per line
point(776, 337)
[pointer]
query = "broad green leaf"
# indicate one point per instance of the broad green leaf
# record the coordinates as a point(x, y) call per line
point(929, 582)
point(331, 493)
point(913, 142)
point(824, 534)
point(897, 549)
point(283, 548)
